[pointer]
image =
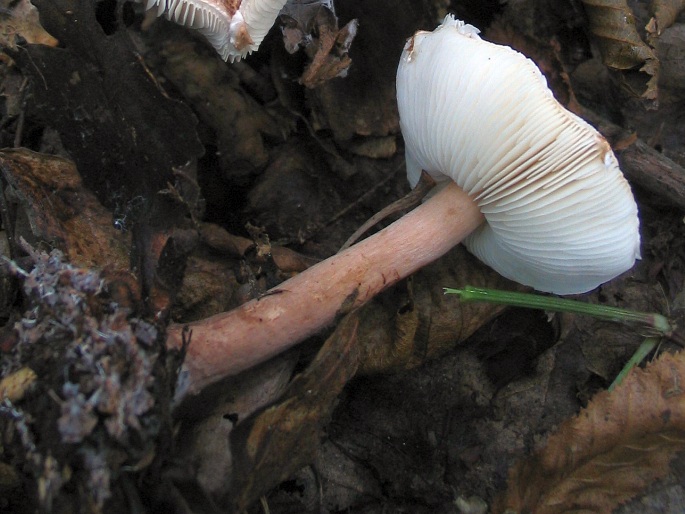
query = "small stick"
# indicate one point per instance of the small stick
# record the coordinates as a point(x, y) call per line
point(409, 201)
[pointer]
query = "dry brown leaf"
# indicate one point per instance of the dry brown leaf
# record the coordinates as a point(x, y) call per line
point(329, 55)
point(618, 445)
point(62, 211)
point(272, 446)
point(417, 322)
point(613, 25)
point(364, 104)
point(15, 385)
point(665, 14)
point(20, 19)
point(314, 26)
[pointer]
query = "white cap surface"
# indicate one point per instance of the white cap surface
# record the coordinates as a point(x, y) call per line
point(560, 216)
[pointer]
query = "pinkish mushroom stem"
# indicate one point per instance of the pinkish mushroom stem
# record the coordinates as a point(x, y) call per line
point(231, 342)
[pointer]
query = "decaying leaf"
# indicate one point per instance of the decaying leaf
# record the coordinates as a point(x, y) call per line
point(313, 25)
point(613, 24)
point(611, 451)
point(14, 386)
point(20, 19)
point(271, 446)
point(61, 211)
point(363, 104)
point(56, 208)
point(205, 444)
point(417, 322)
point(299, 21)
point(331, 59)
point(665, 14)
point(329, 53)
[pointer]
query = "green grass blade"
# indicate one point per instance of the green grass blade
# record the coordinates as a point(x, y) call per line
point(550, 303)
point(644, 349)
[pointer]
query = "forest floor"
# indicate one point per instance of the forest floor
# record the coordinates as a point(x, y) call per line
point(177, 186)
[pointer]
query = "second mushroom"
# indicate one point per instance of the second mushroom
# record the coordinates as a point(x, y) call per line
point(533, 190)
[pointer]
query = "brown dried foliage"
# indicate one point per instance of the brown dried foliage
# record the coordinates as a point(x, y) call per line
point(20, 20)
point(665, 13)
point(614, 448)
point(62, 211)
point(613, 24)
point(273, 445)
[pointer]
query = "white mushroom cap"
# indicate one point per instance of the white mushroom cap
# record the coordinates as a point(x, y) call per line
point(560, 216)
point(234, 28)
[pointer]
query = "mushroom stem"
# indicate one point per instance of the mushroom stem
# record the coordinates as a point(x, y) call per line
point(228, 343)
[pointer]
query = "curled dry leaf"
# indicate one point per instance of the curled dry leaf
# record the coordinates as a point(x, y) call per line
point(329, 55)
point(614, 448)
point(299, 18)
point(20, 19)
point(60, 210)
point(363, 104)
point(15, 385)
point(665, 14)
point(613, 25)
point(273, 445)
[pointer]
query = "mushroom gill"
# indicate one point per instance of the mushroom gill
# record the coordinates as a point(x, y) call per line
point(234, 28)
point(560, 215)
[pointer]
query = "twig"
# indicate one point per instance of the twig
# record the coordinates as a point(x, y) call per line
point(643, 165)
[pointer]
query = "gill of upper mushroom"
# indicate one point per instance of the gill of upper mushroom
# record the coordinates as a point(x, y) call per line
point(234, 28)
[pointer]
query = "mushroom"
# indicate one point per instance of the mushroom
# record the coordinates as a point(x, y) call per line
point(560, 215)
point(535, 192)
point(234, 28)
